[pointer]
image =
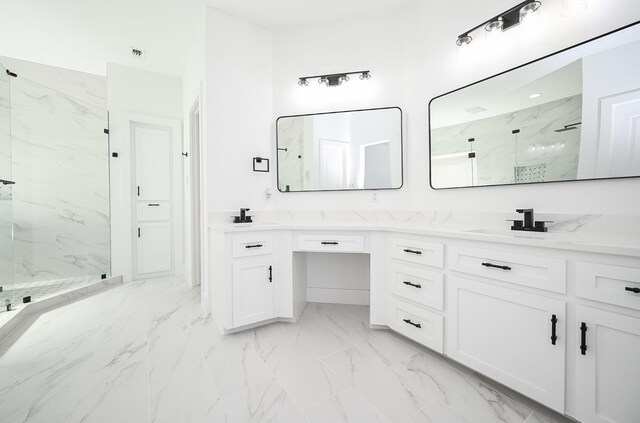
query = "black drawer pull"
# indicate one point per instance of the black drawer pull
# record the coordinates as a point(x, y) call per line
point(496, 266)
point(418, 325)
point(412, 284)
point(583, 338)
point(634, 290)
point(153, 205)
point(329, 243)
point(412, 251)
point(554, 337)
point(253, 246)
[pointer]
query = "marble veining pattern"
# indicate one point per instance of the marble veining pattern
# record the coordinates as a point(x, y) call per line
point(144, 352)
point(61, 197)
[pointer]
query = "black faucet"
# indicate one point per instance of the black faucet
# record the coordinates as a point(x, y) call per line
point(243, 218)
point(528, 223)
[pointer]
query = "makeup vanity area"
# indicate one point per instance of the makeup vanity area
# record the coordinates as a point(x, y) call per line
point(553, 315)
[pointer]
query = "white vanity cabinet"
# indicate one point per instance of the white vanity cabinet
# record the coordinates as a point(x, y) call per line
point(607, 373)
point(248, 274)
point(514, 337)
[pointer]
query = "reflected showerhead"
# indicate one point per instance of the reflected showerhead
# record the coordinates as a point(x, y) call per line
point(569, 127)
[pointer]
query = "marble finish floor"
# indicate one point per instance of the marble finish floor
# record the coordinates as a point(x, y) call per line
point(143, 352)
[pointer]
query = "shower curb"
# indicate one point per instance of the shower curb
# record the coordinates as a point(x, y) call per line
point(12, 320)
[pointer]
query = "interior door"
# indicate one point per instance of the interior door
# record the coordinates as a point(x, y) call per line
point(153, 199)
point(253, 292)
point(334, 157)
point(608, 373)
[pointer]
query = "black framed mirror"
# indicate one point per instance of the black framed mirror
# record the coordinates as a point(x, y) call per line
point(572, 115)
point(340, 151)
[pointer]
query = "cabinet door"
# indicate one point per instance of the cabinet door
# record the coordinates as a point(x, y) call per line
point(507, 334)
point(608, 373)
point(153, 253)
point(253, 291)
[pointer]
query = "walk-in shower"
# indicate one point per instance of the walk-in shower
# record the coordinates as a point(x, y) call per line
point(54, 191)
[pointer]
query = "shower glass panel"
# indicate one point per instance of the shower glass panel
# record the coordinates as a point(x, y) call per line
point(6, 231)
point(61, 195)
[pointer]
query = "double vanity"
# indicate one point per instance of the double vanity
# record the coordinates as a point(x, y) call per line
point(554, 316)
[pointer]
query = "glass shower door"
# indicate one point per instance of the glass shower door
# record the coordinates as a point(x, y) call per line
point(6, 183)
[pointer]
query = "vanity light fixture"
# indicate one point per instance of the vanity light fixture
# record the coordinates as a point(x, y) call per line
point(335, 79)
point(505, 20)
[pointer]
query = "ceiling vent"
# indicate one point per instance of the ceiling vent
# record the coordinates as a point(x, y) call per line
point(137, 53)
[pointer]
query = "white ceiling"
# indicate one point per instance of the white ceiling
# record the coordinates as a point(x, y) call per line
point(86, 34)
point(287, 14)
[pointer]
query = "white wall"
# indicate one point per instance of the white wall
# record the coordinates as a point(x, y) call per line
point(413, 57)
point(239, 116)
point(132, 91)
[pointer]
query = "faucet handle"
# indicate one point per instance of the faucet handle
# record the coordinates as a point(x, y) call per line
point(245, 209)
point(524, 210)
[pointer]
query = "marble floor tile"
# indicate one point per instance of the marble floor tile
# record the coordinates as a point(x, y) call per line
point(379, 384)
point(468, 395)
point(345, 407)
point(265, 402)
point(437, 412)
point(306, 379)
point(145, 352)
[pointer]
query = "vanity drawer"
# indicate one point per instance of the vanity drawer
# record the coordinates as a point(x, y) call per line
point(609, 284)
point(539, 272)
point(153, 211)
point(420, 252)
point(419, 285)
point(252, 244)
point(420, 325)
point(330, 243)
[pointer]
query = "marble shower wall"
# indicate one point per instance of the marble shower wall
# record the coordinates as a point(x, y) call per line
point(499, 152)
point(61, 197)
point(291, 138)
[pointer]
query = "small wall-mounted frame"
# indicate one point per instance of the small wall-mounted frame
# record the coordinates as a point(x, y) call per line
point(260, 164)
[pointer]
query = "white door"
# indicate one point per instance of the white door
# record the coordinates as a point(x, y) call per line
point(253, 291)
point(334, 158)
point(608, 373)
point(153, 198)
point(506, 335)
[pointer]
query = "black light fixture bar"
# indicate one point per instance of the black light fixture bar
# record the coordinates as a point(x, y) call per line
point(333, 79)
point(503, 21)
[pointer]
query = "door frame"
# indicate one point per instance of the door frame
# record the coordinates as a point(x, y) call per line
point(196, 215)
point(175, 126)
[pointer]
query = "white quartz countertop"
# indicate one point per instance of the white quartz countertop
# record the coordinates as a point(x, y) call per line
point(596, 243)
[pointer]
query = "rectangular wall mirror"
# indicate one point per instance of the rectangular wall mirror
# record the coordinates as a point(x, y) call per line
point(573, 115)
point(351, 150)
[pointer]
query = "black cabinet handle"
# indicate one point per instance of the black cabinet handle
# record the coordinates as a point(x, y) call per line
point(138, 232)
point(634, 290)
point(412, 284)
point(253, 246)
point(329, 243)
point(138, 190)
point(406, 250)
point(554, 337)
point(496, 266)
point(153, 205)
point(418, 325)
point(583, 338)
point(270, 274)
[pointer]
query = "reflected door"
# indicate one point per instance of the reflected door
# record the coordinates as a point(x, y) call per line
point(334, 157)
